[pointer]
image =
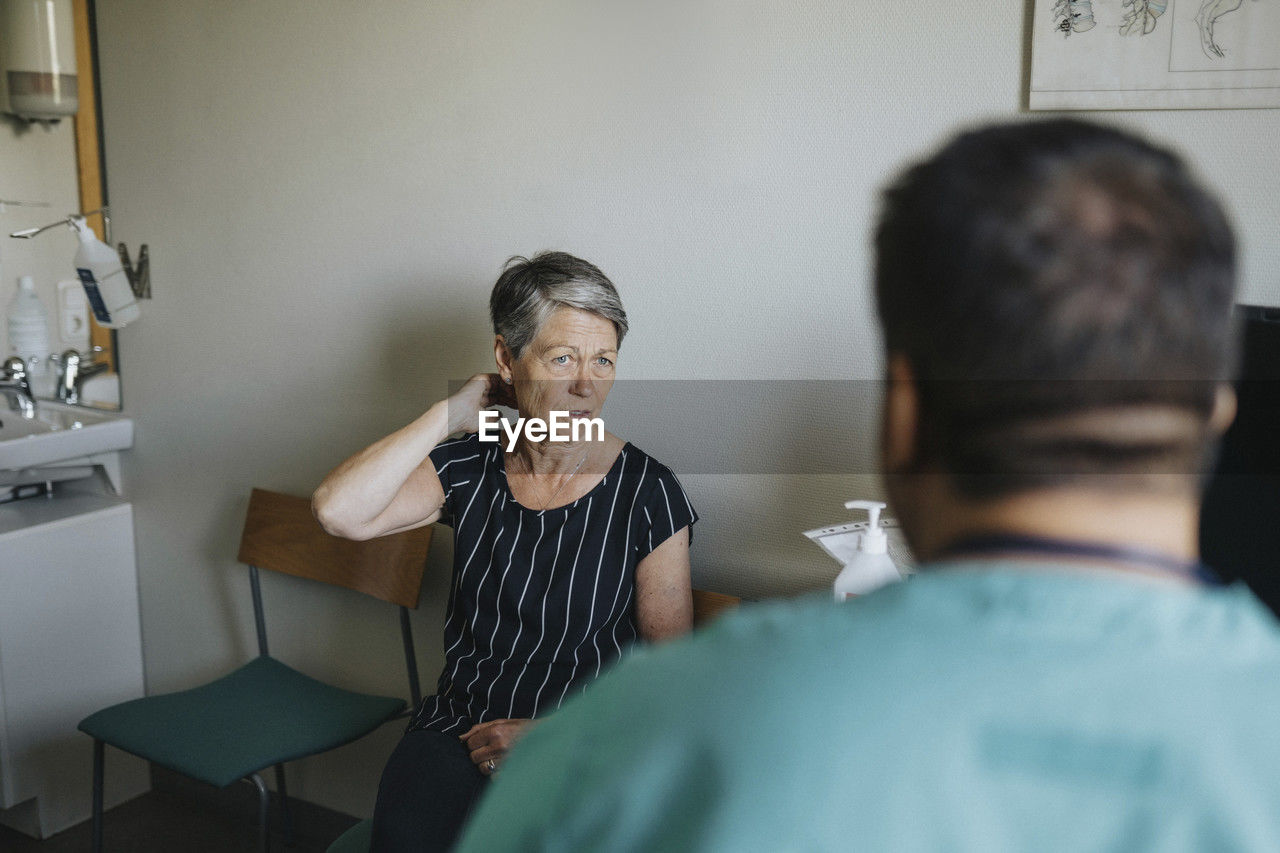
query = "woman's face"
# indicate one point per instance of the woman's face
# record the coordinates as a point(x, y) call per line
point(568, 367)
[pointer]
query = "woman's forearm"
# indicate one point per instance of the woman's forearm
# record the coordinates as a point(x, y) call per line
point(371, 494)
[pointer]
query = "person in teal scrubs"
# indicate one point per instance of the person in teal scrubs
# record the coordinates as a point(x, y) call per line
point(1062, 674)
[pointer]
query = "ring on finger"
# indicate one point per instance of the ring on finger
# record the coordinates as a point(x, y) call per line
point(491, 765)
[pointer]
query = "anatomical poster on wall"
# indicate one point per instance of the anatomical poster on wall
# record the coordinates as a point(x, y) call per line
point(1155, 54)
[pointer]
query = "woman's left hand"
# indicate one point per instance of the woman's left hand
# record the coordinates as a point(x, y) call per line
point(490, 742)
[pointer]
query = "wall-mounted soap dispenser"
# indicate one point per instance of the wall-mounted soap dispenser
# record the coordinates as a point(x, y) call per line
point(38, 59)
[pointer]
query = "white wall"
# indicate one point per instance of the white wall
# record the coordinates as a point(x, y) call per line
point(329, 190)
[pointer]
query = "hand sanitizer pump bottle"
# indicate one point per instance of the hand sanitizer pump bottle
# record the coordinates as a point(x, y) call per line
point(102, 275)
point(870, 567)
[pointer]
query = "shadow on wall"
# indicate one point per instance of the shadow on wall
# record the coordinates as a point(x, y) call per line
point(341, 405)
point(222, 538)
point(748, 426)
point(429, 342)
point(763, 461)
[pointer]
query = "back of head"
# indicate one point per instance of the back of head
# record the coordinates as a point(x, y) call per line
point(1062, 293)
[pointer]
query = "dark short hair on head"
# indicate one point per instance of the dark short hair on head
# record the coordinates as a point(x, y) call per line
point(531, 289)
point(1062, 292)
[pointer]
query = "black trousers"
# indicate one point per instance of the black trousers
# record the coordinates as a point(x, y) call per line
point(428, 789)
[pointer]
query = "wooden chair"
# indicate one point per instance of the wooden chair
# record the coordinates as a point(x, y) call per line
point(266, 713)
point(706, 607)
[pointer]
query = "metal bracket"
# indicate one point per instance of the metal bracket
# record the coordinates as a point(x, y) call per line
point(139, 276)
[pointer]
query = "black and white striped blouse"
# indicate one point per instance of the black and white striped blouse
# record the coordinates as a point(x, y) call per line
point(541, 600)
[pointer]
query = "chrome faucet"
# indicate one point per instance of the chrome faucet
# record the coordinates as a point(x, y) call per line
point(73, 370)
point(16, 385)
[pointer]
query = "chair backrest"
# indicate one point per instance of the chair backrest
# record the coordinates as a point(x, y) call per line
point(282, 534)
point(708, 605)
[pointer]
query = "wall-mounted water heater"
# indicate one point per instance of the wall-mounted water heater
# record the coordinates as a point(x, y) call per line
point(38, 59)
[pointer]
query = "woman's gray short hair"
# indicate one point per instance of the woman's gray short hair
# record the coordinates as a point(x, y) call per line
point(530, 290)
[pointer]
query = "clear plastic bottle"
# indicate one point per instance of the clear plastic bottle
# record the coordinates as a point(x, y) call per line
point(105, 283)
point(870, 566)
point(28, 324)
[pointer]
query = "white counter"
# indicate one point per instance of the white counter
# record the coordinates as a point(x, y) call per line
point(70, 643)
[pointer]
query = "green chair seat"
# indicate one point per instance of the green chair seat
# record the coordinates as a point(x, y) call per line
point(355, 840)
point(263, 713)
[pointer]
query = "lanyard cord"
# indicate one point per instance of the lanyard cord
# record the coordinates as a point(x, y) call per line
point(991, 543)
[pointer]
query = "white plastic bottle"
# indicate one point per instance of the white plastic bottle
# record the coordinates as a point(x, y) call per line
point(870, 566)
point(28, 324)
point(105, 284)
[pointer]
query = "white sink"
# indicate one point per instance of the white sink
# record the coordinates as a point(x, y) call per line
point(59, 433)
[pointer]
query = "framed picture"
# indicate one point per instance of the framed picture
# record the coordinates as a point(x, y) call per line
point(1155, 54)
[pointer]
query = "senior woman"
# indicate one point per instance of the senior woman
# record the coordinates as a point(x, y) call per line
point(565, 552)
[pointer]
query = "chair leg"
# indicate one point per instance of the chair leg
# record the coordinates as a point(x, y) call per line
point(97, 795)
point(285, 817)
point(264, 802)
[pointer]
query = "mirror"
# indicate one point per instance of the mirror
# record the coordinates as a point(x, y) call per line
point(57, 165)
point(47, 320)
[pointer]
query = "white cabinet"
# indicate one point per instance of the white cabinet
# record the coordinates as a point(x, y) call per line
point(70, 643)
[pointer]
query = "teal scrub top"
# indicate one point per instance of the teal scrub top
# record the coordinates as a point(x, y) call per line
point(980, 707)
